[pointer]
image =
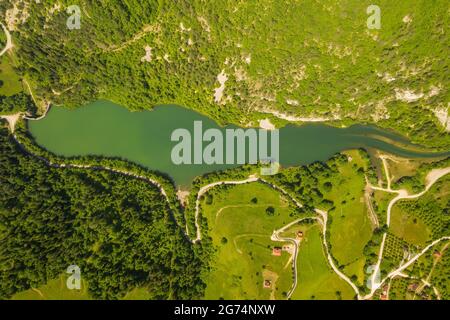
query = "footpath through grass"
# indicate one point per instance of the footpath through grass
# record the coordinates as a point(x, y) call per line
point(241, 220)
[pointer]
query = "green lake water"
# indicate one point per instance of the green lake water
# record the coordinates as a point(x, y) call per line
point(107, 129)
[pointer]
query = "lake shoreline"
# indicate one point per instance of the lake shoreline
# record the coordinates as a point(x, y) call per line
point(110, 130)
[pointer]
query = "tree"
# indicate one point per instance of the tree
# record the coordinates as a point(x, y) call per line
point(327, 186)
point(270, 211)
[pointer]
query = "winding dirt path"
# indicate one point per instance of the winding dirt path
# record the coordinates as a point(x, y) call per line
point(12, 120)
point(432, 177)
point(398, 271)
point(205, 189)
point(370, 210)
point(324, 216)
point(291, 118)
point(252, 178)
point(9, 45)
point(47, 106)
point(322, 219)
point(145, 29)
point(296, 242)
point(98, 167)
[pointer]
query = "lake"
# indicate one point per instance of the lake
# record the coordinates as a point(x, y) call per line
point(107, 129)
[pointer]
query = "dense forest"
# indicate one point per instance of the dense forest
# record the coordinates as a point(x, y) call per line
point(20, 102)
point(303, 59)
point(307, 59)
point(118, 230)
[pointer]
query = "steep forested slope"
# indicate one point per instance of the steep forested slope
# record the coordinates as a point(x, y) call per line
point(117, 229)
point(298, 58)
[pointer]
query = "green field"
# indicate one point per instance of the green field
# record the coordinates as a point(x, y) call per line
point(2, 39)
point(382, 200)
point(10, 83)
point(246, 259)
point(408, 227)
point(424, 219)
point(350, 227)
point(315, 278)
point(54, 290)
point(96, 181)
point(57, 290)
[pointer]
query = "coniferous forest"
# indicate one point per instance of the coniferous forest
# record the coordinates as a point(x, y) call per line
point(118, 230)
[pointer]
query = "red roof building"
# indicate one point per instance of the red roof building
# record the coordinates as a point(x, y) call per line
point(276, 251)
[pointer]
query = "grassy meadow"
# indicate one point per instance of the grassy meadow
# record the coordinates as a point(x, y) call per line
point(241, 230)
point(10, 83)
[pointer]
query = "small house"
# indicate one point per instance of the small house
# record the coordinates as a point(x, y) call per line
point(276, 251)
